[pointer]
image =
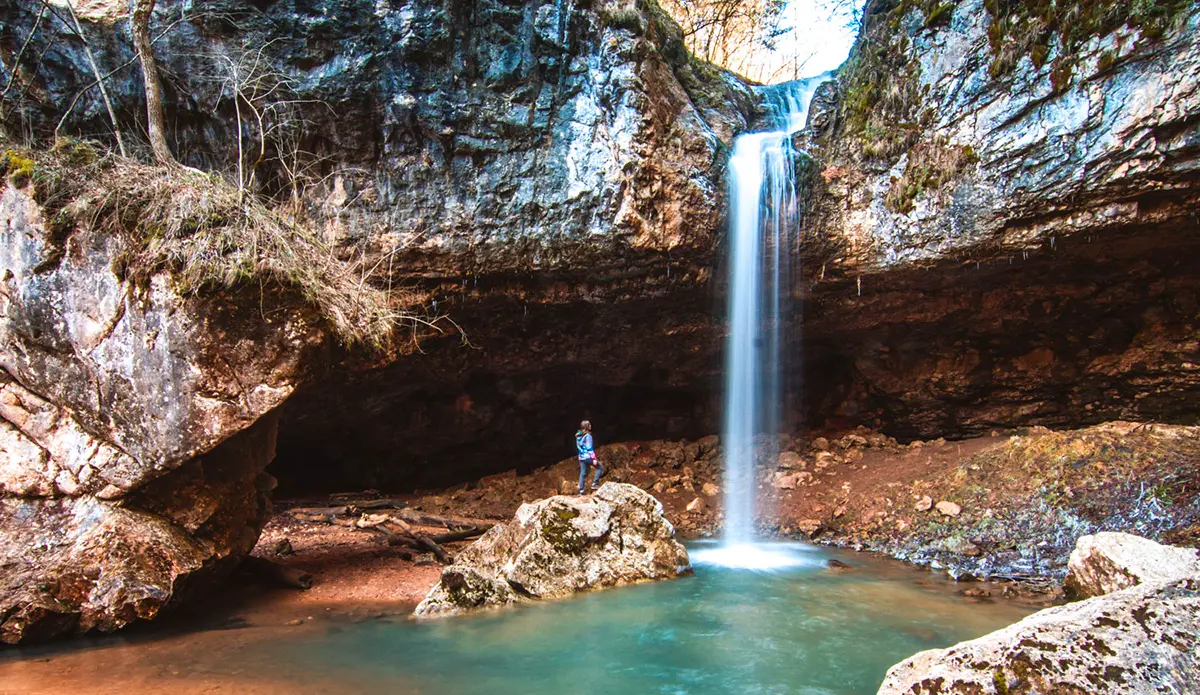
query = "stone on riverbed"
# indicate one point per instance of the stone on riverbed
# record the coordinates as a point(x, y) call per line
point(1132, 642)
point(559, 546)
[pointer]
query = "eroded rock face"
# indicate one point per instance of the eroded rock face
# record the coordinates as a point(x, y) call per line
point(1108, 562)
point(559, 546)
point(1109, 146)
point(132, 431)
point(1133, 642)
point(464, 138)
point(1002, 246)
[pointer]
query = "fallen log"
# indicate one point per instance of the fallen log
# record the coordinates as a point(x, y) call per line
point(365, 505)
point(437, 550)
point(275, 573)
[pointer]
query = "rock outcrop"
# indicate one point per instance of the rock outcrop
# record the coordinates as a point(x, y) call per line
point(134, 431)
point(1108, 562)
point(559, 546)
point(558, 166)
point(550, 175)
point(1135, 641)
point(1003, 229)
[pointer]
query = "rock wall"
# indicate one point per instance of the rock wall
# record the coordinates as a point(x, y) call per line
point(555, 166)
point(550, 175)
point(1004, 221)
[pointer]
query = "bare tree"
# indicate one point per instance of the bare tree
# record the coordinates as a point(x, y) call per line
point(143, 9)
point(268, 115)
point(730, 33)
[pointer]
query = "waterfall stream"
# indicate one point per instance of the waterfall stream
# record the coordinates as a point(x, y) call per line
point(763, 248)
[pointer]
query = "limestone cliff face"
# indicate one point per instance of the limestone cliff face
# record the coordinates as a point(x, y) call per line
point(1006, 212)
point(448, 139)
point(944, 143)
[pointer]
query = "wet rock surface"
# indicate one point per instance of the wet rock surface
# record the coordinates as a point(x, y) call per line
point(559, 546)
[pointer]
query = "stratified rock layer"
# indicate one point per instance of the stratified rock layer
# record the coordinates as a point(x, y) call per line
point(559, 546)
point(1006, 247)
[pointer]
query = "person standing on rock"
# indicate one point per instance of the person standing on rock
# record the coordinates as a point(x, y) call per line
point(587, 455)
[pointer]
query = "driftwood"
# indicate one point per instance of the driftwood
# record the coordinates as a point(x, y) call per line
point(275, 573)
point(331, 514)
point(399, 532)
point(397, 524)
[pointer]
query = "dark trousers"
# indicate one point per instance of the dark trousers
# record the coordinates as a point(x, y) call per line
point(583, 468)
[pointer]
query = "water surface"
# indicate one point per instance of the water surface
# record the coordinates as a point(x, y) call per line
point(804, 629)
point(800, 628)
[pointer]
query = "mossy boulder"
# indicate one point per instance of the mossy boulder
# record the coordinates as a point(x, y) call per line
point(559, 546)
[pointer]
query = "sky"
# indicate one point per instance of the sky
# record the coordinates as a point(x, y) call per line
point(820, 38)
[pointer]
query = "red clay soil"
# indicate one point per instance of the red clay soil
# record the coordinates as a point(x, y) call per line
point(861, 489)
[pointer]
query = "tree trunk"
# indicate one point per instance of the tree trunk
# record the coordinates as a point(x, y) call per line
point(154, 105)
point(87, 49)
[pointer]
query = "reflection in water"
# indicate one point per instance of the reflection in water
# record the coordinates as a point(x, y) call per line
point(797, 629)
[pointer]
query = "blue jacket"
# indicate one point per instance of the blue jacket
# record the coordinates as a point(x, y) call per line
point(583, 442)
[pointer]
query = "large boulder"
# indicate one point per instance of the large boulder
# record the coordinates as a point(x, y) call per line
point(559, 546)
point(134, 429)
point(1108, 562)
point(1132, 642)
point(1136, 635)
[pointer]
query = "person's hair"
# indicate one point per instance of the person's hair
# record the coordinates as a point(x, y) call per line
point(585, 426)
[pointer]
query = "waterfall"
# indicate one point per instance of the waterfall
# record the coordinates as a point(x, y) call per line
point(763, 236)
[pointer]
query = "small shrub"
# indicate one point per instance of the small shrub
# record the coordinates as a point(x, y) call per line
point(17, 167)
point(1040, 27)
point(627, 18)
point(930, 167)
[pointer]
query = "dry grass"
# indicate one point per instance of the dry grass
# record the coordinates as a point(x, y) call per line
point(198, 228)
point(931, 166)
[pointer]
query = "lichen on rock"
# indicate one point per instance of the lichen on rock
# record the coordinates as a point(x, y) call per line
point(559, 546)
point(1135, 641)
point(1108, 562)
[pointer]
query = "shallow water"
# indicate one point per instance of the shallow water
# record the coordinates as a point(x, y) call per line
point(801, 629)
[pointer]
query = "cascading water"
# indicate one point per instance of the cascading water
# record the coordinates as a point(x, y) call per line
point(764, 226)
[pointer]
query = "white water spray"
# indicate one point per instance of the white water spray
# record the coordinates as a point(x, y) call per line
point(764, 228)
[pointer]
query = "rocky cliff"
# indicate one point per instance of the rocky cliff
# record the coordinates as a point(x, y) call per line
point(1001, 233)
point(550, 174)
point(1007, 201)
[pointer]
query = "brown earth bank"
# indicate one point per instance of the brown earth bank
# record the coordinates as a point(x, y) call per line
point(1006, 507)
